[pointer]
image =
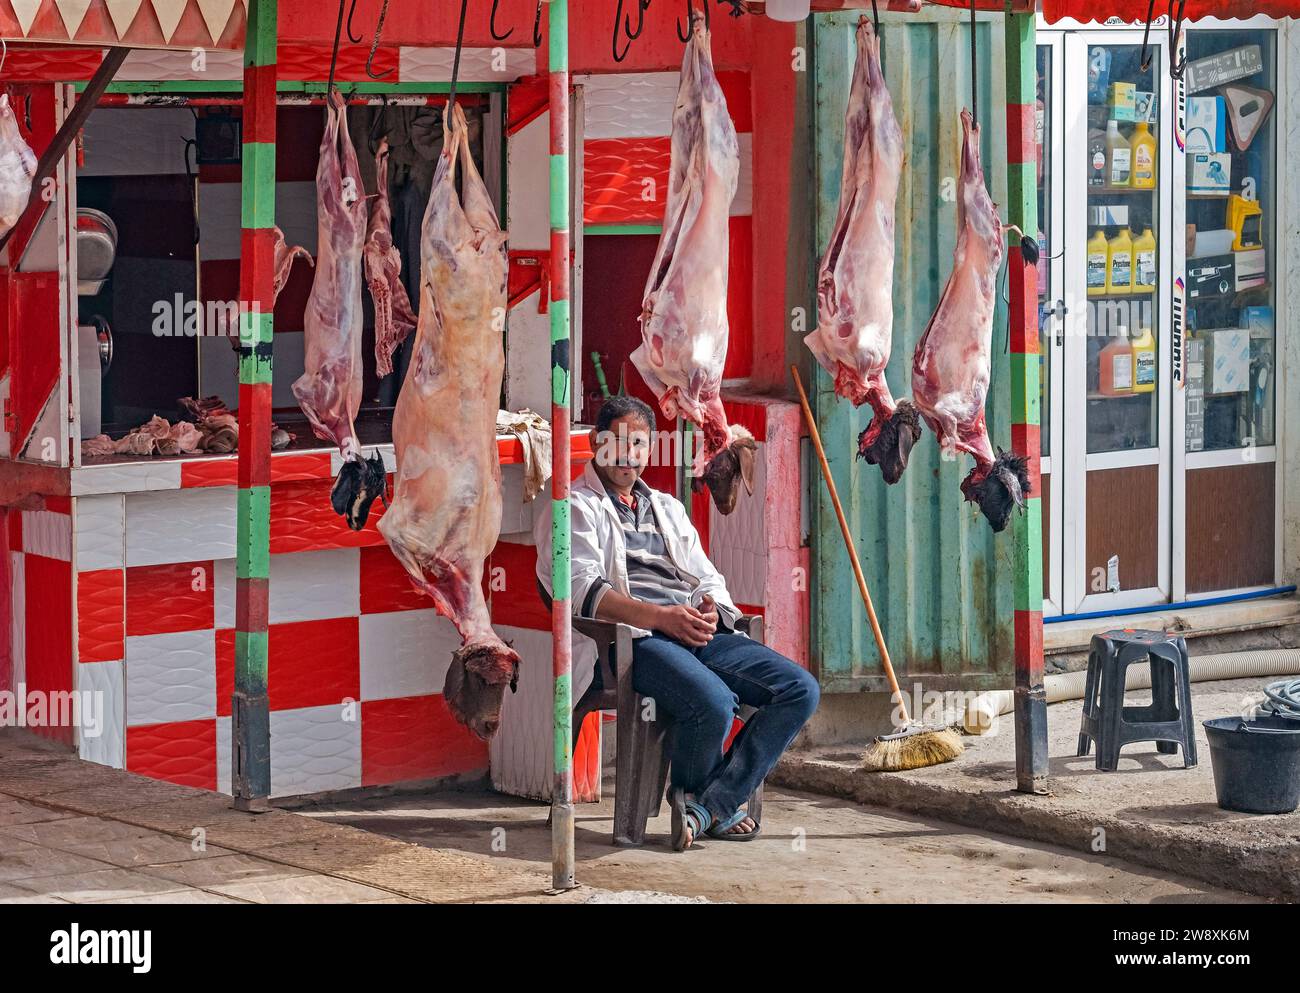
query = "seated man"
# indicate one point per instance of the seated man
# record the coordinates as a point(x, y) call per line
point(637, 559)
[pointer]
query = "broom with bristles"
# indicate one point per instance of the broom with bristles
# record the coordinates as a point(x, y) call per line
point(913, 747)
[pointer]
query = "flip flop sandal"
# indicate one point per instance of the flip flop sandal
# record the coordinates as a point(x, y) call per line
point(721, 831)
point(687, 813)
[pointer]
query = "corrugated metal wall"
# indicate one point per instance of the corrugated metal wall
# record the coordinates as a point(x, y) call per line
point(941, 581)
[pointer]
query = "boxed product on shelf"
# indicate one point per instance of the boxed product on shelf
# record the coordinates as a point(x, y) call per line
point(1194, 388)
point(1223, 67)
point(1258, 320)
point(1211, 276)
point(1250, 268)
point(1123, 102)
point(1207, 125)
point(1227, 360)
point(1144, 106)
point(1108, 215)
point(1209, 173)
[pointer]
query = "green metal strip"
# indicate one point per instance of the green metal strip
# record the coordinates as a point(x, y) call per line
point(251, 648)
point(257, 188)
point(561, 579)
point(1029, 577)
point(1022, 197)
point(1025, 390)
point(253, 560)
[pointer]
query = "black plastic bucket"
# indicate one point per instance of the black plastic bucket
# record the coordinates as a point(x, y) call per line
point(1256, 763)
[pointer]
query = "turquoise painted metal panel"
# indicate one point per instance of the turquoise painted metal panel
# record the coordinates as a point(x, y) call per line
point(941, 581)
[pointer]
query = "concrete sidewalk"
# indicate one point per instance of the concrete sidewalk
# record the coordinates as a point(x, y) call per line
point(72, 831)
point(1151, 811)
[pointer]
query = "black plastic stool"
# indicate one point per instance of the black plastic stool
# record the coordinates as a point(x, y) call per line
point(1167, 720)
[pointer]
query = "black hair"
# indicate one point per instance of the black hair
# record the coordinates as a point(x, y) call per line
point(621, 406)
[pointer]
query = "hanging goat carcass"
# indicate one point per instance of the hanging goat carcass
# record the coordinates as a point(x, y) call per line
point(17, 167)
point(684, 316)
point(855, 300)
point(951, 365)
point(393, 317)
point(329, 390)
point(446, 508)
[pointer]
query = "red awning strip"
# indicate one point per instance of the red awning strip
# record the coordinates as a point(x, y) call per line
point(1135, 11)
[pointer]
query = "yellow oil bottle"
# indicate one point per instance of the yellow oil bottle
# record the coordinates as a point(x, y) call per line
point(1119, 263)
point(1144, 262)
point(1144, 361)
point(1143, 145)
point(1098, 263)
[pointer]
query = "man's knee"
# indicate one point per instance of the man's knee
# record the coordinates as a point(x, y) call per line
point(804, 689)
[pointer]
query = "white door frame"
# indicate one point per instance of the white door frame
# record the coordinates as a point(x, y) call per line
point(1077, 595)
point(1052, 332)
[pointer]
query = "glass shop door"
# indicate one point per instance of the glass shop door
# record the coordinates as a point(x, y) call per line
point(1114, 396)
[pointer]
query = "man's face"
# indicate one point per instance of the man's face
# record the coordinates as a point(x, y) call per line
point(623, 451)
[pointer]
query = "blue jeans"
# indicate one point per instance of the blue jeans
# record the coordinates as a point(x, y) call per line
point(701, 689)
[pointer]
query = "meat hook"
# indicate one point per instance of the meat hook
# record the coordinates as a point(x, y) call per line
point(374, 46)
point(1145, 62)
point(631, 33)
point(352, 10)
point(1176, 68)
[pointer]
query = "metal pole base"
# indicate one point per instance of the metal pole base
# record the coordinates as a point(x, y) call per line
point(562, 869)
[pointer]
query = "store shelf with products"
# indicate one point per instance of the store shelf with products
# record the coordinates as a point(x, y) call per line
point(1231, 145)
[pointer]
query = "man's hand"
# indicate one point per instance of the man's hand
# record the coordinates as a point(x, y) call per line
point(709, 611)
point(686, 624)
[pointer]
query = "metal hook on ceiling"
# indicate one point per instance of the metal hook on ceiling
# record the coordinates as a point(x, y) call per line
point(626, 20)
point(455, 65)
point(1176, 68)
point(974, 74)
point(537, 25)
point(492, 24)
point(334, 55)
point(356, 40)
point(685, 36)
point(875, 16)
point(374, 46)
point(1145, 62)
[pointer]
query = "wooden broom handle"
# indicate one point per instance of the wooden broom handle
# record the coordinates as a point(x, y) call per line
point(848, 544)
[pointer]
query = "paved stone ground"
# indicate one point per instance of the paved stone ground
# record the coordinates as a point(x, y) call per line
point(814, 849)
point(1152, 810)
point(75, 832)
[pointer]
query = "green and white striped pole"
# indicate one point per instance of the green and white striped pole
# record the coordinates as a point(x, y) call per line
point(562, 859)
point(251, 729)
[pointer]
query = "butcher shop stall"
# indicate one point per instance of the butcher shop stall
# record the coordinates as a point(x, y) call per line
point(124, 295)
point(202, 513)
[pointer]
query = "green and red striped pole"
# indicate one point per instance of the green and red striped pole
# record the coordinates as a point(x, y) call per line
point(251, 734)
point(562, 858)
point(1022, 279)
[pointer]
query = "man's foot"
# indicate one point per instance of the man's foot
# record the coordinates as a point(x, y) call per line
point(746, 825)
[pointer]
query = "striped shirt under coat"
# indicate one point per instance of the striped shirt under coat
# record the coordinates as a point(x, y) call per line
point(598, 553)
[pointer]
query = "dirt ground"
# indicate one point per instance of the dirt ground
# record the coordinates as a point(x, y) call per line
point(814, 849)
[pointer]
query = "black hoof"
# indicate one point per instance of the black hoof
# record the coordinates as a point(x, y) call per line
point(359, 482)
point(893, 445)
